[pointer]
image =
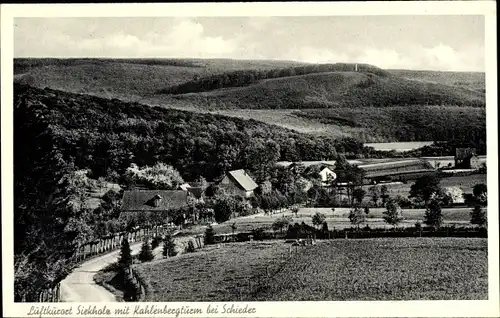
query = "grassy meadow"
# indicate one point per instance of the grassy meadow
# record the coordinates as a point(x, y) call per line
point(375, 269)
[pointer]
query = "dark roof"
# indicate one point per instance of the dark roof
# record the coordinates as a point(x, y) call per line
point(197, 192)
point(243, 179)
point(142, 200)
point(464, 153)
point(396, 167)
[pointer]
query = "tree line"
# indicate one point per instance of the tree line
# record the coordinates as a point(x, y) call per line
point(246, 77)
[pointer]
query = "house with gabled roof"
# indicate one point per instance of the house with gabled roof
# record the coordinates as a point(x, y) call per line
point(238, 182)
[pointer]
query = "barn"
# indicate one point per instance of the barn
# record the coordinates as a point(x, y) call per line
point(238, 182)
point(401, 170)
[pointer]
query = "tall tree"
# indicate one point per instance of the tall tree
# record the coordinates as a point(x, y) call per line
point(392, 213)
point(125, 258)
point(146, 253)
point(356, 216)
point(433, 215)
point(425, 187)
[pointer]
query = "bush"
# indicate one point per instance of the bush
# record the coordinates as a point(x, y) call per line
point(155, 242)
point(209, 235)
point(318, 218)
point(281, 223)
point(478, 216)
point(146, 253)
point(169, 247)
point(190, 247)
point(258, 234)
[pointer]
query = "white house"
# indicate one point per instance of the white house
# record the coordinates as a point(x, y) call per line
point(326, 175)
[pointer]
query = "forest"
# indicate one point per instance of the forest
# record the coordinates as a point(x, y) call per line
point(410, 123)
point(246, 77)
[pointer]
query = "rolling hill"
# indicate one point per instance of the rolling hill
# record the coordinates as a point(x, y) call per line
point(335, 89)
point(303, 97)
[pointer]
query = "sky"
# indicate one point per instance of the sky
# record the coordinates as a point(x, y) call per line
point(445, 43)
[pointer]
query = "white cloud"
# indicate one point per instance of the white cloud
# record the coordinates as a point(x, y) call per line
point(440, 57)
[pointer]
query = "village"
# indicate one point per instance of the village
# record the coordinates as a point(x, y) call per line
point(342, 199)
point(392, 173)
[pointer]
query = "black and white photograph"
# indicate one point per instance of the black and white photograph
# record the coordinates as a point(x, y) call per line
point(239, 160)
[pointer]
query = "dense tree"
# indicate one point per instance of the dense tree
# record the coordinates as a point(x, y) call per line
point(392, 213)
point(358, 195)
point(480, 192)
point(433, 215)
point(146, 253)
point(318, 218)
point(125, 258)
point(425, 187)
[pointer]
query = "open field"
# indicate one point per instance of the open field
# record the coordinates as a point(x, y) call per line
point(466, 183)
point(399, 146)
point(336, 220)
point(376, 269)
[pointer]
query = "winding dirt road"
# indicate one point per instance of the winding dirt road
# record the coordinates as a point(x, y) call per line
point(79, 286)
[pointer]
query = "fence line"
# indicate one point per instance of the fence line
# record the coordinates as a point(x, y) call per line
point(98, 247)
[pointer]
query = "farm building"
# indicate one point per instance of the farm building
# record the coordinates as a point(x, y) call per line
point(448, 162)
point(440, 162)
point(153, 200)
point(397, 170)
point(238, 182)
point(466, 158)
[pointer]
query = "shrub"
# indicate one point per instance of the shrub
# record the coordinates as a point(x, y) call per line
point(209, 235)
point(258, 234)
point(356, 216)
point(478, 216)
point(190, 247)
point(146, 253)
point(125, 259)
point(281, 223)
point(318, 218)
point(169, 247)
point(155, 242)
point(324, 227)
